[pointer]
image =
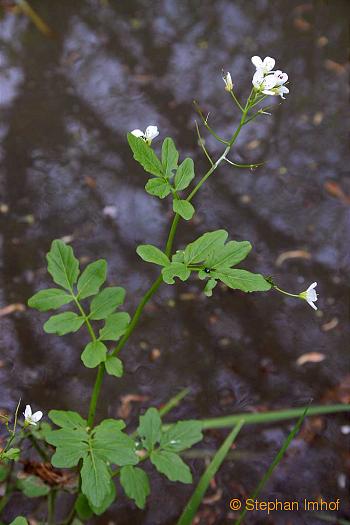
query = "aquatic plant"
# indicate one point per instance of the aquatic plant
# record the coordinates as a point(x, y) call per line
point(99, 454)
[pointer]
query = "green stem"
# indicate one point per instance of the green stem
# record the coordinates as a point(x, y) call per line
point(86, 319)
point(168, 249)
point(51, 499)
point(236, 100)
point(286, 293)
point(95, 395)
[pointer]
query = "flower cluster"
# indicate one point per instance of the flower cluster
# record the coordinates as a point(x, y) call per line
point(150, 134)
point(266, 80)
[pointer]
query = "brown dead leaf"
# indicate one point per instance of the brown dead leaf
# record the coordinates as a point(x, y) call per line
point(340, 393)
point(301, 24)
point(322, 41)
point(210, 500)
point(9, 309)
point(333, 323)
point(253, 144)
point(311, 357)
point(335, 67)
point(125, 404)
point(90, 182)
point(292, 254)
point(334, 189)
point(47, 473)
point(155, 354)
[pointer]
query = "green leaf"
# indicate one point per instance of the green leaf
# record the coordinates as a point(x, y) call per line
point(62, 324)
point(242, 280)
point(175, 269)
point(92, 279)
point(135, 484)
point(190, 510)
point(145, 155)
point(67, 419)
point(115, 326)
point(94, 353)
point(170, 156)
point(114, 366)
point(183, 208)
point(184, 174)
point(106, 302)
point(62, 265)
point(209, 287)
point(82, 507)
point(20, 520)
point(171, 465)
point(33, 487)
point(111, 444)
point(71, 446)
point(149, 428)
point(106, 502)
point(96, 479)
point(198, 250)
point(158, 187)
point(152, 254)
point(229, 255)
point(182, 435)
point(4, 472)
point(12, 454)
point(49, 299)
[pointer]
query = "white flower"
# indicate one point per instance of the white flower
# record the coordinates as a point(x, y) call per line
point(150, 133)
point(271, 84)
point(262, 82)
point(310, 295)
point(30, 418)
point(228, 81)
point(264, 66)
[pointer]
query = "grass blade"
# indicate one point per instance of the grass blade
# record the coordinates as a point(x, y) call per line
point(275, 462)
point(273, 416)
point(173, 402)
point(190, 510)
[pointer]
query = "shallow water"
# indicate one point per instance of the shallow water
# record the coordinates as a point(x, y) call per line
point(66, 105)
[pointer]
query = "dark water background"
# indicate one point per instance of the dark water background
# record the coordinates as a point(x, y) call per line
point(66, 105)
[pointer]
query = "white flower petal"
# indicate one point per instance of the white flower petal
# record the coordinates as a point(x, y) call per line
point(257, 62)
point(228, 81)
point(269, 82)
point(281, 77)
point(137, 133)
point(151, 132)
point(268, 64)
point(312, 305)
point(313, 285)
point(37, 416)
point(28, 412)
point(258, 79)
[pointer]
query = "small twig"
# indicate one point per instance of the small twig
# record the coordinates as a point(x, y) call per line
point(201, 143)
point(205, 122)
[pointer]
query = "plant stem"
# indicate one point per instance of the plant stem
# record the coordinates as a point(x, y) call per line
point(51, 498)
point(156, 284)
